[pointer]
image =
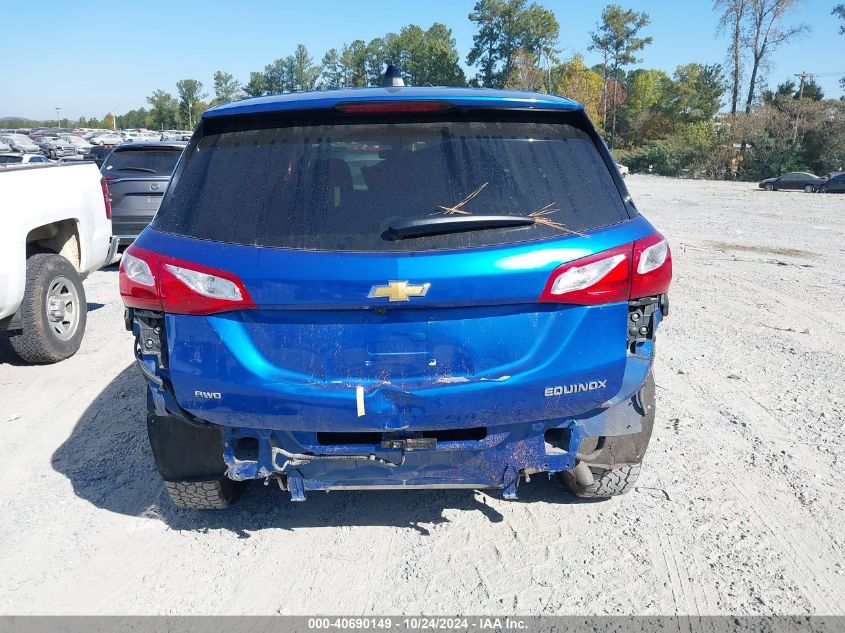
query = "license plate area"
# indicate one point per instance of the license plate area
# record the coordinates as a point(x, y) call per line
point(418, 440)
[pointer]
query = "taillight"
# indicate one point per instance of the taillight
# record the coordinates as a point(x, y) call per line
point(106, 198)
point(158, 282)
point(652, 267)
point(632, 271)
point(600, 278)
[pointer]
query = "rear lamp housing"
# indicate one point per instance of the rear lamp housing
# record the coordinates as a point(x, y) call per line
point(632, 271)
point(158, 282)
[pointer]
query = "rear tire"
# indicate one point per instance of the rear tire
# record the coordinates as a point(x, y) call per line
point(617, 466)
point(189, 459)
point(53, 311)
point(769, 186)
point(809, 189)
point(216, 494)
point(606, 482)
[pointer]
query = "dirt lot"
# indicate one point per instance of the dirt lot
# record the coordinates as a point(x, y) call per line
point(740, 508)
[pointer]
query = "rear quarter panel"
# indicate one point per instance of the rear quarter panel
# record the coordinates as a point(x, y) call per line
point(35, 196)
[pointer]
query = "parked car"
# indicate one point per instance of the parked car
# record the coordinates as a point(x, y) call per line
point(57, 231)
point(796, 180)
point(834, 183)
point(106, 139)
point(474, 304)
point(13, 158)
point(56, 148)
point(99, 153)
point(4, 147)
point(82, 146)
point(20, 143)
point(138, 174)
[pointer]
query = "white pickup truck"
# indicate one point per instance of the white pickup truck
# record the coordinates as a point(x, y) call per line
point(56, 230)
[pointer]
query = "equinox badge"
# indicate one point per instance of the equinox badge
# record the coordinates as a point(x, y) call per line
point(398, 291)
point(578, 387)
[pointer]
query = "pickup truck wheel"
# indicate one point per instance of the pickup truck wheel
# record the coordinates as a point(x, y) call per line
point(216, 494)
point(53, 310)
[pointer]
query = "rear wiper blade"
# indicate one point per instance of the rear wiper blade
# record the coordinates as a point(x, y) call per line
point(144, 169)
point(404, 229)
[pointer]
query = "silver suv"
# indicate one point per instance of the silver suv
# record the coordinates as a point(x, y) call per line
point(137, 175)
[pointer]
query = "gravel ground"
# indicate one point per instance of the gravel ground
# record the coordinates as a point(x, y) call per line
point(739, 509)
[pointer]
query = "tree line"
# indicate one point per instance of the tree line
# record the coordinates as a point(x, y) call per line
point(668, 123)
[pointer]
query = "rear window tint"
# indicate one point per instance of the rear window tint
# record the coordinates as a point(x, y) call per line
point(339, 187)
point(8, 160)
point(142, 162)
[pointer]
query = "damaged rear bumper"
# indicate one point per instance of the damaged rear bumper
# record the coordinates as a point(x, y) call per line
point(495, 460)
point(495, 456)
point(481, 457)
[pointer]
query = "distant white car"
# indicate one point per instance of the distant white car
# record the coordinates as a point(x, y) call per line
point(623, 170)
point(13, 158)
point(107, 139)
point(5, 147)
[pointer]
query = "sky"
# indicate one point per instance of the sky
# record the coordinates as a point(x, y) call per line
point(89, 58)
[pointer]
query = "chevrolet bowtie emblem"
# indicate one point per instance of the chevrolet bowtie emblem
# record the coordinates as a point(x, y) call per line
point(398, 291)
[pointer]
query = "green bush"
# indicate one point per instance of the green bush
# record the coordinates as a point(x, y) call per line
point(693, 151)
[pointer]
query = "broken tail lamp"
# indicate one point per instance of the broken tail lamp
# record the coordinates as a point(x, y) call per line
point(640, 269)
point(152, 281)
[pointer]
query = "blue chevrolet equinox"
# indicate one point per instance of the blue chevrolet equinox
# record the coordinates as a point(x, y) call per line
point(396, 288)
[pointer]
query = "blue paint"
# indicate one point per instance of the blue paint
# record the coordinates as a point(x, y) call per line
point(459, 97)
point(316, 348)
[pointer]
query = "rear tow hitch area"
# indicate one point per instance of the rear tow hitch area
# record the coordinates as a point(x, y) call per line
point(471, 458)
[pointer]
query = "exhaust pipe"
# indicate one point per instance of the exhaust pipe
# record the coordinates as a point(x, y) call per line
point(583, 475)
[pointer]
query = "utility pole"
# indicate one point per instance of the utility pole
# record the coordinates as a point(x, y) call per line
point(802, 77)
point(58, 120)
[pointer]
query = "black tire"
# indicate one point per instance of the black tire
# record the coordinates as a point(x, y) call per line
point(822, 189)
point(769, 186)
point(189, 459)
point(809, 189)
point(616, 467)
point(216, 494)
point(46, 337)
point(610, 482)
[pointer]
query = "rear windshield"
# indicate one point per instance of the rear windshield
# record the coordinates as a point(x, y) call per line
point(4, 160)
point(343, 186)
point(142, 162)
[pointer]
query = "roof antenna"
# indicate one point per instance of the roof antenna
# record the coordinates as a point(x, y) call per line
point(392, 77)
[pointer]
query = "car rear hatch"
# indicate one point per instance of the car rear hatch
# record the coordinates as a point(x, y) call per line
point(137, 177)
point(356, 314)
